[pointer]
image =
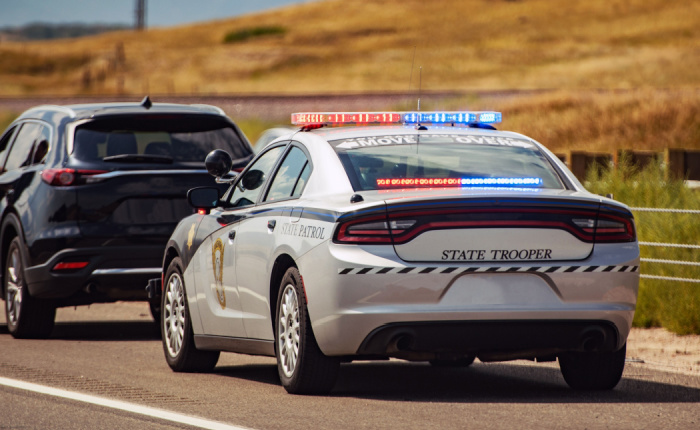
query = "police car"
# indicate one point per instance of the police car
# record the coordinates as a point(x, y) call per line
point(419, 236)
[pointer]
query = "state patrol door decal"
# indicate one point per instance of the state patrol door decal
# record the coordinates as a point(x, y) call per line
point(217, 260)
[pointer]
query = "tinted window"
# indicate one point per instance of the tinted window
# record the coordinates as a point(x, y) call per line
point(286, 180)
point(21, 151)
point(248, 187)
point(182, 139)
point(404, 161)
point(41, 145)
point(301, 183)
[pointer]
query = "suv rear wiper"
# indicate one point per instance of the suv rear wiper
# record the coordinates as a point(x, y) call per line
point(140, 158)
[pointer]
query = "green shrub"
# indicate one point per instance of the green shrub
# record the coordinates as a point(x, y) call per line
point(671, 304)
point(253, 32)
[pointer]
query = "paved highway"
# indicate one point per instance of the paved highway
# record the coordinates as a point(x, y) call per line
point(112, 353)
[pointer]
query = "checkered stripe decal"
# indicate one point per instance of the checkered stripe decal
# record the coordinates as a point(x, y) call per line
point(484, 269)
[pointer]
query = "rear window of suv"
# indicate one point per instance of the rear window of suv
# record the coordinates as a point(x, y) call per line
point(181, 139)
point(373, 162)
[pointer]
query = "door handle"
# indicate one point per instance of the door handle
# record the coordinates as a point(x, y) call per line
point(231, 234)
point(271, 224)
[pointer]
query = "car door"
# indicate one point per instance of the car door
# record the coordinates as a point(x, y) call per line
point(258, 237)
point(218, 300)
point(20, 175)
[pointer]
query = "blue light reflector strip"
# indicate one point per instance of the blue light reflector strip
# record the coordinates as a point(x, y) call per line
point(521, 182)
point(457, 182)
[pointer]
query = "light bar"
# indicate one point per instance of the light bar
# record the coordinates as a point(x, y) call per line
point(458, 182)
point(339, 118)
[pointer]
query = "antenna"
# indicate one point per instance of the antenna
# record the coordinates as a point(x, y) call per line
point(410, 79)
point(420, 85)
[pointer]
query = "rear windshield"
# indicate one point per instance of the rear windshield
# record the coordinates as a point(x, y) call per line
point(170, 139)
point(408, 161)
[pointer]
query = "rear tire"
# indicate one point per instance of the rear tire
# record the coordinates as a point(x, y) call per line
point(302, 367)
point(176, 327)
point(27, 317)
point(593, 370)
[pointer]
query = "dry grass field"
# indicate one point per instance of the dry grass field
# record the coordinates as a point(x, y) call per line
point(369, 45)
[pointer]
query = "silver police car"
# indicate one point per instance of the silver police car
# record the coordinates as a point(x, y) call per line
point(411, 235)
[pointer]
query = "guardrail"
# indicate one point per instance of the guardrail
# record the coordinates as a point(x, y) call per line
point(682, 163)
point(669, 245)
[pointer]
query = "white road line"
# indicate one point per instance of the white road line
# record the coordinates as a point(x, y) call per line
point(122, 406)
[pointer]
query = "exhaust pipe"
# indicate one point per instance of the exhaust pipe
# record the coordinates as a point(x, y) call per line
point(400, 343)
point(592, 339)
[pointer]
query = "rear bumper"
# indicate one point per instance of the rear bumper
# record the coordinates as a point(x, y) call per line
point(358, 307)
point(112, 273)
point(489, 340)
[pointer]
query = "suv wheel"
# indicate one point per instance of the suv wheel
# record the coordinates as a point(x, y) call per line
point(593, 370)
point(26, 316)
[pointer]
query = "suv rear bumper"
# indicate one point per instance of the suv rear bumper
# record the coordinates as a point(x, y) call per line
point(112, 273)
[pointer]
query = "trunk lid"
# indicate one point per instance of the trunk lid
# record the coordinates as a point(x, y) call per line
point(493, 229)
point(489, 225)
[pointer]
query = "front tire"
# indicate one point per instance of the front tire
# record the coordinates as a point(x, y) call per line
point(176, 327)
point(302, 367)
point(593, 370)
point(27, 317)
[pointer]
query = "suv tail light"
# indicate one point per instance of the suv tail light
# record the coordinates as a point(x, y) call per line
point(70, 265)
point(66, 177)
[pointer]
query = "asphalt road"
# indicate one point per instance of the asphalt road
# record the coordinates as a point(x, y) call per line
point(114, 352)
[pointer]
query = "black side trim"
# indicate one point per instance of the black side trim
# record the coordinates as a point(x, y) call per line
point(235, 344)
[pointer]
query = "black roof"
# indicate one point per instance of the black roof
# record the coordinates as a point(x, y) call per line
point(91, 110)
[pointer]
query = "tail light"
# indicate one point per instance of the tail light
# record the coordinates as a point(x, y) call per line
point(70, 265)
point(66, 177)
point(368, 230)
point(402, 227)
point(613, 228)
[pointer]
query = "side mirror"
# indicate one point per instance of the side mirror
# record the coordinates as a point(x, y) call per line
point(252, 179)
point(218, 163)
point(203, 197)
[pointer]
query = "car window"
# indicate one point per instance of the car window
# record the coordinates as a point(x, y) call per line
point(286, 181)
point(404, 160)
point(4, 142)
point(303, 178)
point(21, 152)
point(249, 186)
point(175, 139)
point(41, 145)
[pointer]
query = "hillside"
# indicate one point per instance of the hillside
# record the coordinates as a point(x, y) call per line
point(368, 45)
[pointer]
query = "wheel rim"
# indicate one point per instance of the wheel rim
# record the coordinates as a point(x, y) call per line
point(174, 315)
point(13, 299)
point(288, 329)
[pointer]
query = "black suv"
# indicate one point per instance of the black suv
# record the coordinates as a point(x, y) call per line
point(89, 195)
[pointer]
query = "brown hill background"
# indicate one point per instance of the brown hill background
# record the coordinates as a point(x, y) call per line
point(370, 45)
